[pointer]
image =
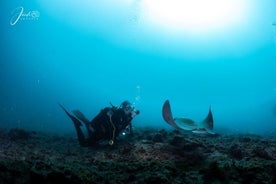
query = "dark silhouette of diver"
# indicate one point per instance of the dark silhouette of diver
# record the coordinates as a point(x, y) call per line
point(107, 125)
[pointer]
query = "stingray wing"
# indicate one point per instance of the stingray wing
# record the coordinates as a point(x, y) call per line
point(208, 122)
point(167, 114)
point(185, 123)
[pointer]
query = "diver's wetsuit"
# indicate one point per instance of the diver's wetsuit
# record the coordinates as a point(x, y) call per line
point(107, 125)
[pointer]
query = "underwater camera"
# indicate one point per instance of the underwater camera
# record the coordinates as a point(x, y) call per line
point(136, 111)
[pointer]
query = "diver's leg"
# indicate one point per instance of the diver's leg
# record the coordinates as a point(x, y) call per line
point(87, 123)
point(89, 131)
point(81, 116)
point(80, 134)
point(94, 138)
point(77, 124)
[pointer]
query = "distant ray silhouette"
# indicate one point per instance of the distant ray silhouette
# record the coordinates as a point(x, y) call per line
point(205, 126)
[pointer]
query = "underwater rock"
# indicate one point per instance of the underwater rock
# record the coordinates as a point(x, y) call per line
point(126, 149)
point(190, 145)
point(245, 139)
point(261, 153)
point(158, 178)
point(49, 176)
point(164, 133)
point(157, 138)
point(176, 140)
point(149, 137)
point(2, 133)
point(214, 173)
point(18, 134)
point(236, 152)
point(165, 157)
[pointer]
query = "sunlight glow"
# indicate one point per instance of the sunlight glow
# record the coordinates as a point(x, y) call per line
point(193, 15)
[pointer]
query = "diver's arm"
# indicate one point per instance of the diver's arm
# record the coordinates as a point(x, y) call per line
point(134, 113)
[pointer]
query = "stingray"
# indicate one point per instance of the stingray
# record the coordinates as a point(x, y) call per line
point(203, 127)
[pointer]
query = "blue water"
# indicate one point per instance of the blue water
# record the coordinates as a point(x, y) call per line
point(87, 55)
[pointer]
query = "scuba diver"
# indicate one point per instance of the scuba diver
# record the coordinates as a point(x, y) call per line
point(107, 125)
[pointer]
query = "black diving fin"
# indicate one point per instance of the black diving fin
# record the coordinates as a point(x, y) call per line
point(77, 125)
point(81, 116)
point(74, 119)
